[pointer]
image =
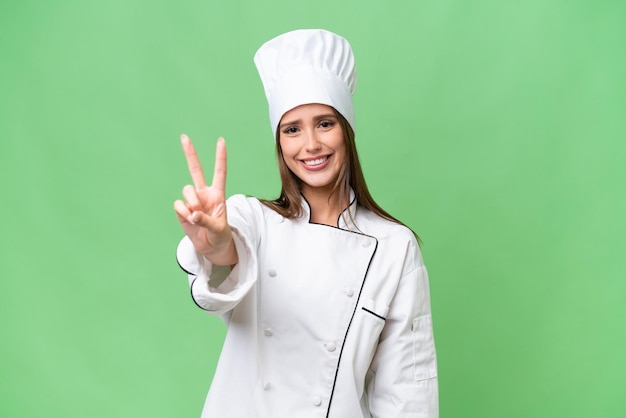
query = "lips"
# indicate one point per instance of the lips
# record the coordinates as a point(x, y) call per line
point(318, 163)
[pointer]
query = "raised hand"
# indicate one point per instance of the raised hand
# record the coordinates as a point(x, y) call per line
point(203, 213)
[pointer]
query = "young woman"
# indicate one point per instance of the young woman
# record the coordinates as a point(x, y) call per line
point(325, 294)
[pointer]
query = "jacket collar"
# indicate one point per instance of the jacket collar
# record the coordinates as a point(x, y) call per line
point(346, 218)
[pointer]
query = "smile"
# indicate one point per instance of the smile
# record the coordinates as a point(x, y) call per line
point(317, 161)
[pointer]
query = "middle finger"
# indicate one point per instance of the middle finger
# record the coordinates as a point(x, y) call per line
point(195, 168)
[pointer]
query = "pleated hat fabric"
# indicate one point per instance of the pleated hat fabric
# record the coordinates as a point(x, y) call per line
point(307, 66)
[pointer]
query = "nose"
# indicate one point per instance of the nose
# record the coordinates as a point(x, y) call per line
point(312, 141)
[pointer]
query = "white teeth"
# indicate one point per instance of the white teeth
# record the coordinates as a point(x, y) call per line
point(317, 161)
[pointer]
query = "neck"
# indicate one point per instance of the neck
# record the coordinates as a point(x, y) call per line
point(325, 209)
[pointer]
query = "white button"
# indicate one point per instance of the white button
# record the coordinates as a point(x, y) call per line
point(331, 347)
point(281, 220)
point(317, 401)
point(267, 386)
point(271, 272)
point(366, 243)
point(268, 332)
point(349, 292)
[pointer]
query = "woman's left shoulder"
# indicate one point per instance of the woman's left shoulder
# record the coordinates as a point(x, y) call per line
point(397, 244)
point(382, 228)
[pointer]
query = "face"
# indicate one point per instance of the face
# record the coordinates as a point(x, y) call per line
point(313, 146)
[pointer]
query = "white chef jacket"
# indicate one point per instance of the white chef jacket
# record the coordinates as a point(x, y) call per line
point(322, 321)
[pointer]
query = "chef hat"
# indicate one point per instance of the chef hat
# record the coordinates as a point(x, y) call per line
point(307, 66)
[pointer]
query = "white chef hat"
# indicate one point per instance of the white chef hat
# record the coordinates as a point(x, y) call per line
point(307, 66)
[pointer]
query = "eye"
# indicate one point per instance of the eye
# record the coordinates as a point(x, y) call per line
point(290, 130)
point(326, 124)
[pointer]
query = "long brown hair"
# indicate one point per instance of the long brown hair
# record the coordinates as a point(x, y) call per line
point(289, 203)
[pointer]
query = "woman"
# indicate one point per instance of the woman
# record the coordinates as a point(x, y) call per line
point(325, 295)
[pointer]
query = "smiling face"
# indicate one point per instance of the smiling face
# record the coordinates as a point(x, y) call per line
point(313, 146)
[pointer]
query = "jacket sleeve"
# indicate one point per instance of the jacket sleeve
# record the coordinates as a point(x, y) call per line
point(403, 376)
point(218, 289)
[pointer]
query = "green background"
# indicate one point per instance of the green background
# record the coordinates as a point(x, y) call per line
point(495, 129)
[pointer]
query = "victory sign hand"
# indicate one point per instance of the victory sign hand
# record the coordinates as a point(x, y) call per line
point(203, 213)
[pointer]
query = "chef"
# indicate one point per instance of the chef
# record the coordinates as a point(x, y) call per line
point(325, 295)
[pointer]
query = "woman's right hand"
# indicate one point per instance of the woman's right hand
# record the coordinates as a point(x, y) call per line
point(203, 213)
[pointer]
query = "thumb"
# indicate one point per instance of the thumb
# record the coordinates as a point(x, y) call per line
point(202, 219)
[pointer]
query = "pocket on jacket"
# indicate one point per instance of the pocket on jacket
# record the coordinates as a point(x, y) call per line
point(365, 332)
point(424, 357)
point(379, 311)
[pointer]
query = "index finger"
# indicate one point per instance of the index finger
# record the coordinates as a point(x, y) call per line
point(195, 168)
point(219, 172)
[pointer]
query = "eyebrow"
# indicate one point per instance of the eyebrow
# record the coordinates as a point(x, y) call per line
point(316, 118)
